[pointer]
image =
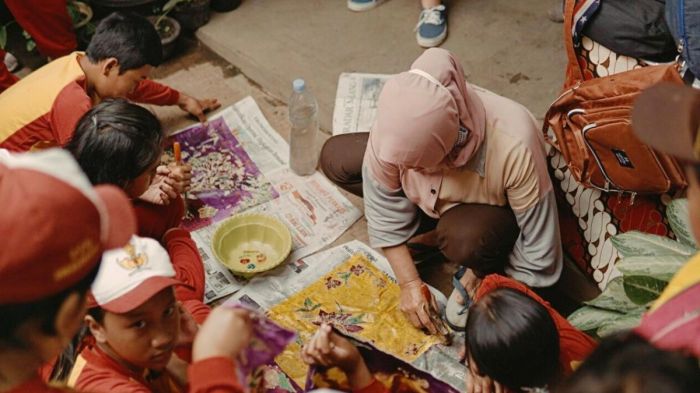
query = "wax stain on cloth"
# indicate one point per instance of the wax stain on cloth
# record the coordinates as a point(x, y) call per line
point(225, 180)
point(360, 301)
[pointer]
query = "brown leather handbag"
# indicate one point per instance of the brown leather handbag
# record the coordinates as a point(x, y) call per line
point(592, 129)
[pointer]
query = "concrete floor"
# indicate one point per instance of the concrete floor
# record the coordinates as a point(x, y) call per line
point(507, 46)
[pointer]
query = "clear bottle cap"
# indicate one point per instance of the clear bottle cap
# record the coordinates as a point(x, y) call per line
point(299, 85)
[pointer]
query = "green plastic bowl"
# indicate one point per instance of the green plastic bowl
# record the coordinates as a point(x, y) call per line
point(250, 243)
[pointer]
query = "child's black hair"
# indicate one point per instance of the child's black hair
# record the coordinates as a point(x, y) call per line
point(44, 310)
point(66, 360)
point(128, 37)
point(513, 339)
point(116, 141)
point(625, 362)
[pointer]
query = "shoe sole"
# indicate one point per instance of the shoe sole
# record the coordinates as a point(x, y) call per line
point(431, 42)
point(361, 7)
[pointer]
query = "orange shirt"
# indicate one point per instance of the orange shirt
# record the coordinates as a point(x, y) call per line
point(43, 108)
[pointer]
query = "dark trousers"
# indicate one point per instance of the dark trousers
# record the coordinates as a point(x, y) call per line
point(477, 236)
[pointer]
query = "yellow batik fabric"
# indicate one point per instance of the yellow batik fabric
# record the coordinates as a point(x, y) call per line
point(360, 301)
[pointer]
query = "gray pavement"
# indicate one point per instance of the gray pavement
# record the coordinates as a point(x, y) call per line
point(507, 46)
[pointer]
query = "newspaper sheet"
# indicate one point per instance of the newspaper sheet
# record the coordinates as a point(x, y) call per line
point(263, 292)
point(313, 209)
point(356, 101)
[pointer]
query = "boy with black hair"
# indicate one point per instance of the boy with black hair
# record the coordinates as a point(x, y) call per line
point(42, 109)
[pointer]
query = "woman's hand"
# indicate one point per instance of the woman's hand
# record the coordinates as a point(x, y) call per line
point(413, 302)
point(416, 307)
point(328, 349)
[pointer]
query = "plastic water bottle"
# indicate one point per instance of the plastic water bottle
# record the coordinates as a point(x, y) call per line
point(302, 142)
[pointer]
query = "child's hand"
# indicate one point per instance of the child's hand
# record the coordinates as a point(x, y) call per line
point(180, 174)
point(329, 349)
point(188, 327)
point(196, 107)
point(225, 333)
point(477, 383)
point(161, 191)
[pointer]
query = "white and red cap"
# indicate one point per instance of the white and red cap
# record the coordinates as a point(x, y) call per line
point(131, 275)
point(54, 224)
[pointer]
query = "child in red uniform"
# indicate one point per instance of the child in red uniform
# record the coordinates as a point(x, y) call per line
point(506, 321)
point(43, 108)
point(54, 229)
point(120, 143)
point(135, 326)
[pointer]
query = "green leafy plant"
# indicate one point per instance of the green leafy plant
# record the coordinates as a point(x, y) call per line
point(648, 264)
point(167, 7)
point(3, 34)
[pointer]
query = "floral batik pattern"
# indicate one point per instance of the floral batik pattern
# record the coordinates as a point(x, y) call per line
point(360, 301)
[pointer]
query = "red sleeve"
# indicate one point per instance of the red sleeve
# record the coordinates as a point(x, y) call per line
point(150, 92)
point(197, 309)
point(108, 381)
point(189, 268)
point(574, 345)
point(213, 375)
point(68, 107)
point(374, 387)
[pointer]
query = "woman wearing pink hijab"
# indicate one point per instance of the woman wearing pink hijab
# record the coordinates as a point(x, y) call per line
point(463, 161)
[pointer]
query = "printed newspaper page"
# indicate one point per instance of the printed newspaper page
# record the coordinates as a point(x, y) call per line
point(313, 209)
point(356, 101)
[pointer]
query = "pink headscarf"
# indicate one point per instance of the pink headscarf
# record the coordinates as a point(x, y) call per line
point(418, 120)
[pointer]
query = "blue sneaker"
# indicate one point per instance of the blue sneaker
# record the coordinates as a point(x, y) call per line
point(431, 29)
point(362, 5)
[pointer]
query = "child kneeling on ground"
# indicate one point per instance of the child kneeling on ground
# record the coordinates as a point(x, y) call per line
point(137, 338)
point(506, 321)
point(121, 143)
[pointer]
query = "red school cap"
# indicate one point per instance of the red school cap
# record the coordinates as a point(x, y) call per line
point(54, 224)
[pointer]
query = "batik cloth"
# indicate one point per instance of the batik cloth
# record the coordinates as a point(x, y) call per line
point(394, 374)
point(360, 301)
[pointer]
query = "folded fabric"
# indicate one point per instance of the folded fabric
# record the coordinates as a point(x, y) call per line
point(395, 374)
point(268, 341)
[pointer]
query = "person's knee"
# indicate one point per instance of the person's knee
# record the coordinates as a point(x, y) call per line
point(327, 161)
point(341, 160)
point(480, 237)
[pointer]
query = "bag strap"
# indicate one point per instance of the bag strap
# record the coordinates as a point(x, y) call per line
point(577, 75)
